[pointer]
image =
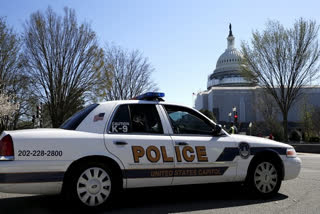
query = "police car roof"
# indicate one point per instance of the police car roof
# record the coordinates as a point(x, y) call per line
point(135, 102)
point(148, 96)
point(117, 102)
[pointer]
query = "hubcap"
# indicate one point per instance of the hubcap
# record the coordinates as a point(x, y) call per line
point(265, 177)
point(94, 186)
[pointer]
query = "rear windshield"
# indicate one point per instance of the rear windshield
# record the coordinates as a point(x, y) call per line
point(73, 122)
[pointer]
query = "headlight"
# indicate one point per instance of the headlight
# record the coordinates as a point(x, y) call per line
point(291, 153)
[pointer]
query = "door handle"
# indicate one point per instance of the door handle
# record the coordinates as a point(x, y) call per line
point(182, 143)
point(120, 143)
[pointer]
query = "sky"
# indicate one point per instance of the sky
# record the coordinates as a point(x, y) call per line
point(182, 39)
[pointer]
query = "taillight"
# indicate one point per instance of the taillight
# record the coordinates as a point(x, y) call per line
point(6, 146)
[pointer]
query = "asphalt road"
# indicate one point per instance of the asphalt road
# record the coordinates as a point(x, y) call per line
point(301, 195)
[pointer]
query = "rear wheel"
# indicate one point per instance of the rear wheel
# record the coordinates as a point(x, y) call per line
point(265, 178)
point(92, 185)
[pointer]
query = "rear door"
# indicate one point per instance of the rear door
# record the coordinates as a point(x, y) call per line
point(200, 156)
point(137, 137)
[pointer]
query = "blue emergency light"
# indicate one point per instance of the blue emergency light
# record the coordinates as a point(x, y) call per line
point(150, 96)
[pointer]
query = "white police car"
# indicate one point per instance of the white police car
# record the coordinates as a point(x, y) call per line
point(138, 143)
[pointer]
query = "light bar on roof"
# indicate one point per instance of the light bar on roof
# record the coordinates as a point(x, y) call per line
point(150, 96)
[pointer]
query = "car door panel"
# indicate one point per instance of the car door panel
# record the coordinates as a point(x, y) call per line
point(200, 157)
point(209, 162)
point(148, 157)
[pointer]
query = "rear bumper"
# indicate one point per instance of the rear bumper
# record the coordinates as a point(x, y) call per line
point(45, 188)
point(292, 167)
point(31, 177)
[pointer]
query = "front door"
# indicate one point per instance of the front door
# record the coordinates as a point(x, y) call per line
point(201, 157)
point(137, 137)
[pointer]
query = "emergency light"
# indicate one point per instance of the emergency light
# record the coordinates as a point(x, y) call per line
point(156, 96)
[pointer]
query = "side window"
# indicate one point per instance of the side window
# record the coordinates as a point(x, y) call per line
point(136, 118)
point(74, 121)
point(121, 120)
point(187, 121)
point(145, 119)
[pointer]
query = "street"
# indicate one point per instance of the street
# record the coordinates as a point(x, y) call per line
point(301, 195)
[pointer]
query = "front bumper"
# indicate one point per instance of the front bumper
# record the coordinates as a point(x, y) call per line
point(292, 167)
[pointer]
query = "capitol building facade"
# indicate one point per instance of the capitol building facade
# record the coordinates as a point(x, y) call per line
point(227, 91)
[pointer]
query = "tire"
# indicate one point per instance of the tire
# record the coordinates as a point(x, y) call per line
point(92, 185)
point(265, 178)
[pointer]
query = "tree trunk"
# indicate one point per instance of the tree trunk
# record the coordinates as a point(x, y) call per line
point(285, 126)
point(53, 116)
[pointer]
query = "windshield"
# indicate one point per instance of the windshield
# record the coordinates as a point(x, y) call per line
point(73, 122)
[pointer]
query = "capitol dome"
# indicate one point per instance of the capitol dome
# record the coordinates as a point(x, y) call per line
point(227, 72)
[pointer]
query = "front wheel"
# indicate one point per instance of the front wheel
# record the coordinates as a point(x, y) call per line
point(92, 185)
point(264, 178)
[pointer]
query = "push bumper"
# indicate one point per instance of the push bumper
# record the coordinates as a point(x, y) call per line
point(292, 167)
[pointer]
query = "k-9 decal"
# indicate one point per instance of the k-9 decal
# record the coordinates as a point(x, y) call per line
point(122, 127)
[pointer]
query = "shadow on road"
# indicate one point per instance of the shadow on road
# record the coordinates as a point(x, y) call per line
point(156, 200)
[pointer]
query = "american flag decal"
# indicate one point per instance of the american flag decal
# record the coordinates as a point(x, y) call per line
point(98, 117)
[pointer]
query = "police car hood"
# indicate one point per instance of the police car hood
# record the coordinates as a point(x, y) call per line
point(258, 141)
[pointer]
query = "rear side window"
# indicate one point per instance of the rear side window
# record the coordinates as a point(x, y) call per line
point(136, 118)
point(121, 121)
point(74, 121)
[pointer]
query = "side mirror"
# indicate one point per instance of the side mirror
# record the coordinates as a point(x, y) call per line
point(217, 129)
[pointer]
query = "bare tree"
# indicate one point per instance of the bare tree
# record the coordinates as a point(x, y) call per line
point(209, 114)
point(9, 53)
point(127, 74)
point(283, 61)
point(10, 73)
point(268, 110)
point(23, 94)
point(266, 107)
point(63, 60)
point(307, 113)
point(315, 117)
point(7, 111)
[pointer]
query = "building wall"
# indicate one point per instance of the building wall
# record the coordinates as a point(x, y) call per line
point(201, 101)
point(310, 98)
point(223, 99)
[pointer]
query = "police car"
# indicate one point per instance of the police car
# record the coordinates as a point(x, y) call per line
point(144, 142)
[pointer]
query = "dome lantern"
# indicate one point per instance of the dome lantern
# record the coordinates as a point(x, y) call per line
point(227, 72)
point(230, 38)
